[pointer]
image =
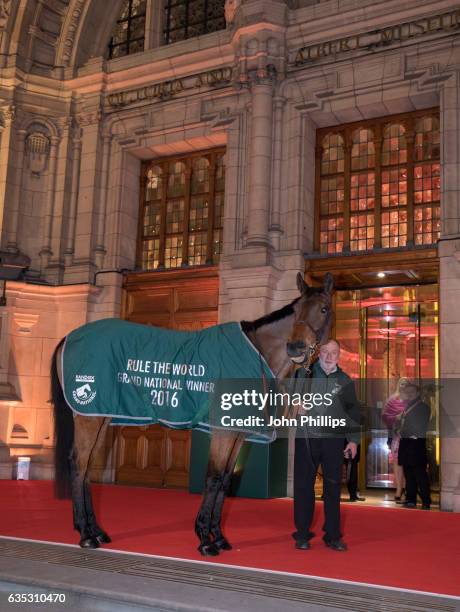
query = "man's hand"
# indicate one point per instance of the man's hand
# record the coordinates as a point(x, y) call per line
point(352, 447)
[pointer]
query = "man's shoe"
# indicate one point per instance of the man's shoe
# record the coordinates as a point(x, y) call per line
point(336, 545)
point(409, 505)
point(303, 545)
point(357, 498)
point(425, 506)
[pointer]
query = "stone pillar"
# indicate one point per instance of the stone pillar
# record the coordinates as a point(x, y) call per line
point(275, 213)
point(100, 249)
point(46, 252)
point(449, 287)
point(6, 121)
point(260, 163)
point(72, 215)
point(83, 266)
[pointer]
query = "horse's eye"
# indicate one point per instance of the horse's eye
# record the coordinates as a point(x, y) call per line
point(324, 309)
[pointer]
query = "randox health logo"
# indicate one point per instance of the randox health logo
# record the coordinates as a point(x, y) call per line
point(84, 394)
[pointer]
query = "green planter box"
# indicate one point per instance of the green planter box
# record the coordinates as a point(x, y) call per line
point(260, 472)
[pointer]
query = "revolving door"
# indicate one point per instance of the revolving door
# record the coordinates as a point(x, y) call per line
point(387, 334)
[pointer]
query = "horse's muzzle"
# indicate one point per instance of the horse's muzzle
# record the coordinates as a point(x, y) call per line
point(296, 349)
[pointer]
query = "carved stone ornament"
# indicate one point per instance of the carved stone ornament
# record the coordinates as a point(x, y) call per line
point(230, 8)
point(5, 9)
point(38, 147)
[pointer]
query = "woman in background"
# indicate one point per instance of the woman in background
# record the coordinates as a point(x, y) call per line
point(391, 414)
point(412, 454)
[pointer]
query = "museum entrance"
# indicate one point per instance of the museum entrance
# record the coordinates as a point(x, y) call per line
point(386, 320)
point(388, 333)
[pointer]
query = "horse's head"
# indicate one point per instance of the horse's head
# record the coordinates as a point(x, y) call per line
point(313, 319)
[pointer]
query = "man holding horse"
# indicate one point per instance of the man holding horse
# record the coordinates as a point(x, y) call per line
point(319, 446)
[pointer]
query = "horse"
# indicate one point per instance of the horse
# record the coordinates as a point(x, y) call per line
point(286, 339)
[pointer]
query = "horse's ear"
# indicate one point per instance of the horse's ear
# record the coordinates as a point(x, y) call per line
point(328, 283)
point(301, 284)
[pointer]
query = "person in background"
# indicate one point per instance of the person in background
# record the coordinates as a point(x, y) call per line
point(352, 476)
point(392, 411)
point(412, 455)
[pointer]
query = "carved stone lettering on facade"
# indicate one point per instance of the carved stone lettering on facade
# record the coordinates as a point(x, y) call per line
point(169, 89)
point(379, 38)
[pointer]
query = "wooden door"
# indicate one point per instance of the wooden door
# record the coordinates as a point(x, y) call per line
point(155, 455)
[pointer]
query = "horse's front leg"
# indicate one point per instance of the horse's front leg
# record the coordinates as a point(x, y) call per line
point(220, 541)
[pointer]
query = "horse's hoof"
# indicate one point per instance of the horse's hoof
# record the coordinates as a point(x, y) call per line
point(103, 538)
point(223, 544)
point(89, 543)
point(208, 550)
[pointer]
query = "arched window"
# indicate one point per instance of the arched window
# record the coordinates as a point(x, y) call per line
point(128, 35)
point(182, 211)
point(379, 184)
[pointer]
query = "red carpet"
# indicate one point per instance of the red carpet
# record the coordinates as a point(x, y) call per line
point(394, 547)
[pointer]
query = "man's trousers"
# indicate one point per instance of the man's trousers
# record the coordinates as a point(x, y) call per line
point(309, 454)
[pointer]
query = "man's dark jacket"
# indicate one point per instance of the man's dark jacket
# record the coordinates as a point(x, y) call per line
point(344, 402)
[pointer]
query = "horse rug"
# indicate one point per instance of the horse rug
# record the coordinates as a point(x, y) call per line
point(141, 375)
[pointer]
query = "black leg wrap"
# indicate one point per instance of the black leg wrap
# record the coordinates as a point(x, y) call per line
point(208, 550)
point(222, 543)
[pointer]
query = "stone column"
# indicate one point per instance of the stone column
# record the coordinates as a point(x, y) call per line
point(6, 121)
point(275, 215)
point(70, 239)
point(449, 286)
point(83, 267)
point(46, 252)
point(260, 162)
point(14, 192)
point(100, 249)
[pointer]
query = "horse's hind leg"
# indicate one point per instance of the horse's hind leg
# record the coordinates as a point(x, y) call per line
point(220, 541)
point(221, 447)
point(89, 433)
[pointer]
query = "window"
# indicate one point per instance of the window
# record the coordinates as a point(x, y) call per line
point(378, 184)
point(129, 32)
point(187, 18)
point(182, 210)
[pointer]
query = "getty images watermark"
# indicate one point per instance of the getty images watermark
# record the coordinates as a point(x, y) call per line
point(267, 404)
point(329, 406)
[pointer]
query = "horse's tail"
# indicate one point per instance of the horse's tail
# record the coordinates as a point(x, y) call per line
point(63, 432)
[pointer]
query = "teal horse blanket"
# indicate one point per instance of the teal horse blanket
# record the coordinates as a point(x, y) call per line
point(141, 375)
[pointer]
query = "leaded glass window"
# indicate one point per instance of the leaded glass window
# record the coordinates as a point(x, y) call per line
point(188, 18)
point(378, 184)
point(182, 211)
point(129, 32)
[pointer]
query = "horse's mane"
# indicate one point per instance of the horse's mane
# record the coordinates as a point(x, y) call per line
point(276, 315)
point(271, 317)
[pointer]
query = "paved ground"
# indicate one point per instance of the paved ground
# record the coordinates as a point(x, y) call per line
point(103, 581)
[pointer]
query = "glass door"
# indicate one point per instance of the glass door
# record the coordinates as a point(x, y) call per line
point(400, 342)
point(387, 333)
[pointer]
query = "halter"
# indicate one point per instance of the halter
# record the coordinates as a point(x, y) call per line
point(308, 358)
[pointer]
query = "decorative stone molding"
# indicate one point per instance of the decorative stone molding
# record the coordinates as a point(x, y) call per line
point(89, 118)
point(67, 42)
point(7, 115)
point(38, 148)
point(230, 8)
point(25, 322)
point(5, 10)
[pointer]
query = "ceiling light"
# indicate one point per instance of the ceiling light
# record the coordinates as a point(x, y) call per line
point(381, 274)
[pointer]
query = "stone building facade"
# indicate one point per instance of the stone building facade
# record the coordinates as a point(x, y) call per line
point(75, 127)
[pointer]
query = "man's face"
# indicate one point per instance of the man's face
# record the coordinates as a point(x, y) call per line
point(329, 356)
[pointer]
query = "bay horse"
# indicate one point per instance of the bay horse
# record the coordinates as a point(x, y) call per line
point(286, 339)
